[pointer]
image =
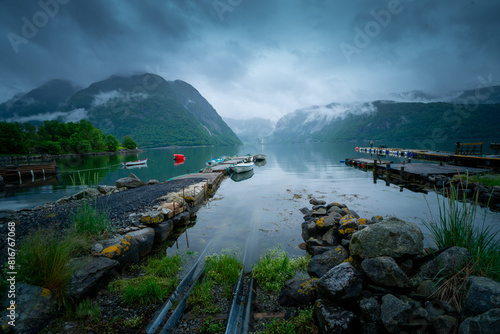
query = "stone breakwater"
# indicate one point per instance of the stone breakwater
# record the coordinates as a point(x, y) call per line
point(374, 276)
point(143, 214)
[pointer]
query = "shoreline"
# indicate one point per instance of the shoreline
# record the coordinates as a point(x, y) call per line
point(46, 157)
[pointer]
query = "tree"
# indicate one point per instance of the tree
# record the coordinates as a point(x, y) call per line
point(128, 142)
point(111, 143)
point(12, 138)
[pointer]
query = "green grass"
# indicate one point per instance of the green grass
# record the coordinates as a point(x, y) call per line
point(43, 260)
point(489, 180)
point(88, 310)
point(457, 226)
point(159, 281)
point(275, 268)
point(88, 222)
point(302, 323)
point(223, 270)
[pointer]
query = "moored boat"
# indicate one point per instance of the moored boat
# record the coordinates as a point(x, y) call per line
point(179, 157)
point(135, 163)
point(242, 167)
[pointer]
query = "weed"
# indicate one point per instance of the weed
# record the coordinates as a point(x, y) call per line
point(167, 266)
point(457, 226)
point(210, 325)
point(43, 260)
point(145, 291)
point(88, 310)
point(132, 322)
point(275, 268)
point(89, 222)
point(223, 269)
point(302, 323)
point(202, 298)
point(487, 180)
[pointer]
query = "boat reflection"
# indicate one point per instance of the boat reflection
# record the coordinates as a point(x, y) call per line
point(237, 177)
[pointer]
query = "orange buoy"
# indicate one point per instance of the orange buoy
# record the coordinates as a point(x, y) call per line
point(356, 149)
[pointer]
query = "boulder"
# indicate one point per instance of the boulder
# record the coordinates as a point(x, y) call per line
point(152, 217)
point(122, 249)
point(391, 237)
point(87, 193)
point(311, 230)
point(446, 263)
point(445, 324)
point(341, 284)
point(144, 240)
point(34, 308)
point(486, 323)
point(153, 181)
point(333, 319)
point(321, 211)
point(369, 310)
point(298, 292)
point(322, 263)
point(394, 313)
point(130, 181)
point(482, 294)
point(385, 271)
point(163, 230)
point(315, 201)
point(90, 273)
point(106, 190)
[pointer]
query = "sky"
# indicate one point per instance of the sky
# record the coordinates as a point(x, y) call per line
point(255, 58)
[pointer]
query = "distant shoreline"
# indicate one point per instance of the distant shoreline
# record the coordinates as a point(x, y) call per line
point(8, 159)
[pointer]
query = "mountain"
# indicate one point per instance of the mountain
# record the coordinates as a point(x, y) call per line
point(49, 97)
point(252, 130)
point(153, 111)
point(388, 120)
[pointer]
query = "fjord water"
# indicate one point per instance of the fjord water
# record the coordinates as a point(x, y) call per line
point(263, 209)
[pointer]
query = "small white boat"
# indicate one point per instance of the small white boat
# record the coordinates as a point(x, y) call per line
point(242, 167)
point(135, 163)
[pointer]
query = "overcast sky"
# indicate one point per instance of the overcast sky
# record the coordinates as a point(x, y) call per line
point(259, 58)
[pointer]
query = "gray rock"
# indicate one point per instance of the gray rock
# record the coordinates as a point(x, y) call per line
point(445, 324)
point(144, 239)
point(486, 323)
point(106, 190)
point(446, 263)
point(130, 181)
point(152, 217)
point(311, 230)
point(370, 310)
point(330, 237)
point(317, 250)
point(163, 230)
point(322, 263)
point(298, 292)
point(482, 294)
point(319, 212)
point(341, 284)
point(90, 273)
point(34, 308)
point(334, 320)
point(426, 288)
point(153, 181)
point(315, 201)
point(122, 249)
point(87, 193)
point(391, 237)
point(384, 271)
point(63, 200)
point(395, 313)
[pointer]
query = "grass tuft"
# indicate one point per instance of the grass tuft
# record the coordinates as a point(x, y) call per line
point(275, 268)
point(88, 310)
point(43, 260)
point(87, 221)
point(302, 323)
point(457, 226)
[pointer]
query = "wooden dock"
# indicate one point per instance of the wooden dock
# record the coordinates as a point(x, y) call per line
point(28, 172)
point(364, 163)
point(482, 161)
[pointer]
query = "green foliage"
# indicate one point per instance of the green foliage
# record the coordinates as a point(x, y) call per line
point(275, 268)
point(88, 310)
point(128, 142)
point(43, 260)
point(457, 226)
point(202, 299)
point(89, 222)
point(489, 180)
point(223, 269)
point(211, 325)
point(54, 137)
point(302, 323)
point(159, 281)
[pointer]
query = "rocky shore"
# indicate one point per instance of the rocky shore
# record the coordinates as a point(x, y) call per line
point(374, 276)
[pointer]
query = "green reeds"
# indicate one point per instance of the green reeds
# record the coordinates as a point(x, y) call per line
point(43, 260)
point(457, 226)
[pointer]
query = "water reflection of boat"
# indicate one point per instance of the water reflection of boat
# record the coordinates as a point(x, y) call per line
point(129, 164)
point(259, 157)
point(237, 177)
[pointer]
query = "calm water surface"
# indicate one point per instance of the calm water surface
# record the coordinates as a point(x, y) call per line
point(263, 210)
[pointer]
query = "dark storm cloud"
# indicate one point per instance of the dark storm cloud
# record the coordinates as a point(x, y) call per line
point(254, 57)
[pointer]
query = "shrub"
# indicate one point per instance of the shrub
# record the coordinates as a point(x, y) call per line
point(89, 222)
point(128, 143)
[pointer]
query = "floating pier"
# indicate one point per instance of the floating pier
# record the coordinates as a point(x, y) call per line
point(28, 172)
point(464, 155)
